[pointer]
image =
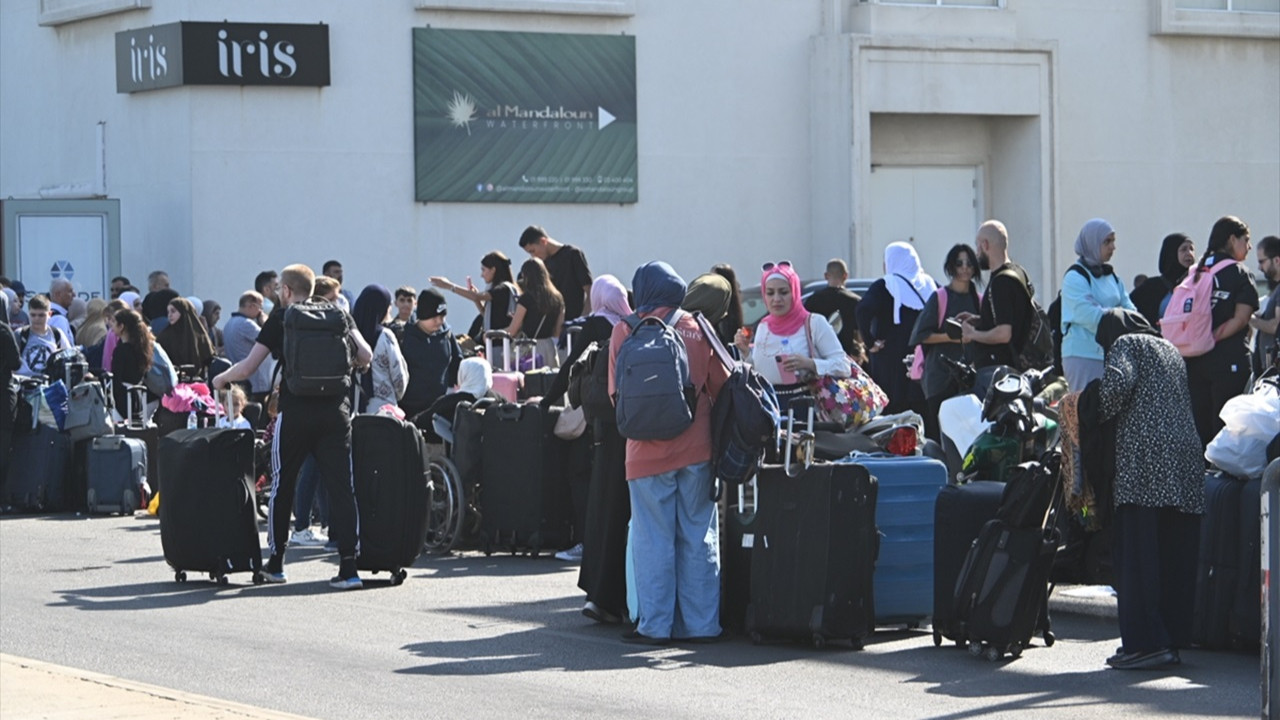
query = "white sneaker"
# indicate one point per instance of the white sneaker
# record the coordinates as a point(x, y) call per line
point(308, 538)
point(573, 554)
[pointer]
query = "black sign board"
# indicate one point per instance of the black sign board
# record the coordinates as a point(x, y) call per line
point(220, 53)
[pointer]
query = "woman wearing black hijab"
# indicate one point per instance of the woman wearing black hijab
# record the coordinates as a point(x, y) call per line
point(1177, 253)
point(1158, 489)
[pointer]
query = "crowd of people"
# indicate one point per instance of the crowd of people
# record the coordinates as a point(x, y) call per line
point(409, 356)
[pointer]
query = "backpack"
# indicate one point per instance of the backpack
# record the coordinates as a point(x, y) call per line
point(744, 418)
point(318, 356)
point(162, 378)
point(1188, 320)
point(656, 397)
point(1054, 314)
point(589, 384)
point(1036, 349)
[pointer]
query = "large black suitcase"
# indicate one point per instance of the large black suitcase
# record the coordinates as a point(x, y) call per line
point(524, 498)
point(467, 454)
point(813, 555)
point(959, 513)
point(208, 519)
point(389, 463)
point(38, 470)
point(1245, 623)
point(1218, 565)
point(738, 510)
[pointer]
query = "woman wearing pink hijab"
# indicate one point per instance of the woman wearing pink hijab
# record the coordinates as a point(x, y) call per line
point(791, 345)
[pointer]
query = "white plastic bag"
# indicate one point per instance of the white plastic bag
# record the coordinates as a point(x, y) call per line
point(960, 419)
point(1252, 420)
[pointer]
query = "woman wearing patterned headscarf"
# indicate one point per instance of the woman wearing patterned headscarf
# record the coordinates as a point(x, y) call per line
point(791, 345)
point(1089, 289)
point(887, 315)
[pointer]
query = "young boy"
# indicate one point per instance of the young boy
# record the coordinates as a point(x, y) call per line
point(40, 341)
point(306, 425)
point(406, 303)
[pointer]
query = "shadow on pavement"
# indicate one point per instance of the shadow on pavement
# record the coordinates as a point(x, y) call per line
point(473, 564)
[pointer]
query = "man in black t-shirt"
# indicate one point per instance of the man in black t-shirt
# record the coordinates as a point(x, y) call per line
point(306, 425)
point(836, 298)
point(567, 267)
point(997, 332)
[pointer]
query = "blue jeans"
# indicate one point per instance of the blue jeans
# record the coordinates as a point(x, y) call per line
point(310, 496)
point(675, 546)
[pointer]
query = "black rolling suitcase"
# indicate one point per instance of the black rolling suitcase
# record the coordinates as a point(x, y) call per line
point(959, 513)
point(1002, 593)
point(39, 464)
point(389, 464)
point(738, 509)
point(524, 498)
point(1245, 623)
point(208, 518)
point(467, 454)
point(814, 550)
point(1218, 566)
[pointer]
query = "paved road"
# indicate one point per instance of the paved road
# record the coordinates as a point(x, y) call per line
point(502, 637)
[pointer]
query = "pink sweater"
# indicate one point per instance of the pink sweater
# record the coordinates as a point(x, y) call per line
point(653, 457)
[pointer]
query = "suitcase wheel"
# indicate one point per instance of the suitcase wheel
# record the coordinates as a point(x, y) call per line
point(1015, 652)
point(992, 654)
point(975, 649)
point(937, 639)
point(129, 503)
point(1049, 638)
point(398, 575)
point(220, 579)
point(180, 576)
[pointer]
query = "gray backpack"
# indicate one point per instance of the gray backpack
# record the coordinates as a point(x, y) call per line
point(655, 396)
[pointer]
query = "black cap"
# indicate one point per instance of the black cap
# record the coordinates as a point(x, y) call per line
point(431, 303)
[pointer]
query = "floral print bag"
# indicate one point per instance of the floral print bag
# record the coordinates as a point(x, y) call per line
point(851, 401)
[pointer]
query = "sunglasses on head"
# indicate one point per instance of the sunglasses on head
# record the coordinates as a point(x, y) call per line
point(769, 266)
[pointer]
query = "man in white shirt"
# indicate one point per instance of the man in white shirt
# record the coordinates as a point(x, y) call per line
point(61, 293)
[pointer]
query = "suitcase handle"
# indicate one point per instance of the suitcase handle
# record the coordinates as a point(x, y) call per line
point(508, 412)
point(801, 443)
point(489, 337)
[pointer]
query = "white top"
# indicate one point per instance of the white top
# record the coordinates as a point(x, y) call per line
point(829, 355)
point(390, 372)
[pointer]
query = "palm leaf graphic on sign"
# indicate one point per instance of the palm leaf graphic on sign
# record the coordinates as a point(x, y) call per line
point(462, 110)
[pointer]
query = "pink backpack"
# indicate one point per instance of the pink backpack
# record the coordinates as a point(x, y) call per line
point(916, 372)
point(1188, 319)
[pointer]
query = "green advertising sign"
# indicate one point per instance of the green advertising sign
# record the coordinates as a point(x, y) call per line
point(524, 117)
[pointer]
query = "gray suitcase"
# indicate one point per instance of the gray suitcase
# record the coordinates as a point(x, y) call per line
point(117, 470)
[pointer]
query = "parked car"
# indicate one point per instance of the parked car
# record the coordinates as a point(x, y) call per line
point(754, 310)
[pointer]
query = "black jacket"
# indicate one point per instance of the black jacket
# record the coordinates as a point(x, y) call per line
point(433, 366)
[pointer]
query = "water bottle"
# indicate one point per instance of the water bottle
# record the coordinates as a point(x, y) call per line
point(191, 420)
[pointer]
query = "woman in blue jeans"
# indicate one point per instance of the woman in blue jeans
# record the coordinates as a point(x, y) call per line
point(675, 543)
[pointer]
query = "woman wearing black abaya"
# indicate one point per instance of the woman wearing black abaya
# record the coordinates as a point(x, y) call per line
point(1177, 253)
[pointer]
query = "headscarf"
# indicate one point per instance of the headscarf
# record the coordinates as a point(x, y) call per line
point(156, 304)
point(785, 325)
point(657, 285)
point(475, 377)
point(4, 306)
point(905, 280)
point(1118, 322)
point(1170, 268)
point(196, 304)
point(132, 299)
point(609, 299)
point(370, 311)
point(186, 341)
point(210, 309)
point(76, 312)
point(709, 294)
point(1089, 245)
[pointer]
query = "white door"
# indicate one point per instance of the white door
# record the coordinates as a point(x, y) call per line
point(931, 207)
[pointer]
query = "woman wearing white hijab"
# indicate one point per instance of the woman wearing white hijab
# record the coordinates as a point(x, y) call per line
point(475, 380)
point(1089, 289)
point(886, 316)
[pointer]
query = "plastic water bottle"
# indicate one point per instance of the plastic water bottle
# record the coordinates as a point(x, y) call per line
point(191, 420)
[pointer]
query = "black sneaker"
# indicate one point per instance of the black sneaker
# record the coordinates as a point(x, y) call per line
point(1143, 660)
point(635, 638)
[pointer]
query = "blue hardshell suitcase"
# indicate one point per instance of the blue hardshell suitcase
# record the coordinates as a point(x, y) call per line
point(117, 474)
point(907, 490)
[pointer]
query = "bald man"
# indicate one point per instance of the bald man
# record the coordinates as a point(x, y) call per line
point(61, 294)
point(996, 333)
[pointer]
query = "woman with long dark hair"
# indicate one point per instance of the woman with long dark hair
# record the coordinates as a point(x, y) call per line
point(184, 338)
point(539, 311)
point(497, 302)
point(388, 375)
point(1222, 373)
point(130, 360)
point(958, 296)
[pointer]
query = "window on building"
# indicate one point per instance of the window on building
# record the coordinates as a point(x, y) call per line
point(1230, 5)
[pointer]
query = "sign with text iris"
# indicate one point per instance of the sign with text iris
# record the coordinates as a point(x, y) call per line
point(220, 53)
point(524, 117)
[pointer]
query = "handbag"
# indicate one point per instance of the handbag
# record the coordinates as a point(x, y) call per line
point(87, 414)
point(850, 401)
point(571, 423)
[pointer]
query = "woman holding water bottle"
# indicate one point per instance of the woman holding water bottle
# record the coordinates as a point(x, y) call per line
point(792, 346)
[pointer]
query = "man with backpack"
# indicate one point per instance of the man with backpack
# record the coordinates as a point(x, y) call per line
point(664, 375)
point(999, 331)
point(315, 343)
point(38, 342)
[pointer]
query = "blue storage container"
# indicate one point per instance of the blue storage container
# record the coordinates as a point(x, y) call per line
point(903, 581)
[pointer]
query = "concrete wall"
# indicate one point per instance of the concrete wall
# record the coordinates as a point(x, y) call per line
point(751, 136)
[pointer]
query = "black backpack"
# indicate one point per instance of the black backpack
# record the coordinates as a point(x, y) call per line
point(1035, 351)
point(589, 384)
point(1054, 314)
point(318, 355)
